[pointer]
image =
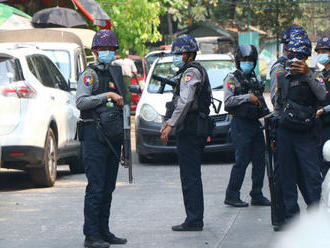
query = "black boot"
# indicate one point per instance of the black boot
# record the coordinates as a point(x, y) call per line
point(260, 201)
point(113, 240)
point(236, 202)
point(95, 242)
point(185, 228)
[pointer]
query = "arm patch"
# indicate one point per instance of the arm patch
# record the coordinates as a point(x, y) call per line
point(88, 78)
point(231, 85)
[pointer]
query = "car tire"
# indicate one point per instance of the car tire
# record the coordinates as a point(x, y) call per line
point(46, 176)
point(144, 159)
point(76, 164)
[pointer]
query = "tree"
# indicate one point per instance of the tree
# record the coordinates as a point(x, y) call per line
point(135, 22)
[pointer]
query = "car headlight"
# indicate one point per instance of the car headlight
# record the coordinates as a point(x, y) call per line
point(148, 113)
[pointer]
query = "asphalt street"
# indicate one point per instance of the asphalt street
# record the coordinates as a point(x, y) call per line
point(143, 211)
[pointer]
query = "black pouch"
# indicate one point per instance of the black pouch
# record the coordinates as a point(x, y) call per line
point(245, 110)
point(297, 117)
point(325, 118)
point(80, 126)
point(112, 124)
point(205, 125)
point(169, 109)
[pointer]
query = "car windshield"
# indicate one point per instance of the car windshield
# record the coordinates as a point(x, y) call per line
point(217, 70)
point(62, 60)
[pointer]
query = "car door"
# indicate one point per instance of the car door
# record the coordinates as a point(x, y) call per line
point(57, 97)
point(67, 113)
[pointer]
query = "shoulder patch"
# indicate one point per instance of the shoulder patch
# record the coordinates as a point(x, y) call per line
point(320, 78)
point(88, 78)
point(112, 85)
point(188, 77)
point(231, 85)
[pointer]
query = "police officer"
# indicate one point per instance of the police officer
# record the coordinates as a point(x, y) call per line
point(95, 93)
point(246, 130)
point(323, 50)
point(291, 32)
point(299, 90)
point(192, 99)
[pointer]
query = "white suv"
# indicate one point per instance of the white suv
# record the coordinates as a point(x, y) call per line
point(38, 116)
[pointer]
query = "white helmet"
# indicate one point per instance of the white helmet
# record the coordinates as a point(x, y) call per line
point(326, 151)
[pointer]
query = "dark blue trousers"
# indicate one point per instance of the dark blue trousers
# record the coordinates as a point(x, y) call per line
point(299, 163)
point(249, 143)
point(190, 149)
point(101, 167)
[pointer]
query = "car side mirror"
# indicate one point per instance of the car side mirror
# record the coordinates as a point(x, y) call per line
point(72, 85)
point(135, 88)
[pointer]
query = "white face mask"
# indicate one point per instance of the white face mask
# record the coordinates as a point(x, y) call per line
point(177, 61)
point(323, 58)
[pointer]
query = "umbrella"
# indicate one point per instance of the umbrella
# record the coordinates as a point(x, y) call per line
point(58, 17)
point(93, 11)
point(11, 18)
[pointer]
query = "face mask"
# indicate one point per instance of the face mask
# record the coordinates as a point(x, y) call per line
point(323, 59)
point(177, 61)
point(106, 56)
point(246, 66)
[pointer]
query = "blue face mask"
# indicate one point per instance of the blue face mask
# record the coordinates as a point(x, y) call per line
point(177, 61)
point(246, 66)
point(106, 56)
point(323, 58)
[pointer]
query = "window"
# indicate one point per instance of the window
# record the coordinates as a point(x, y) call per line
point(39, 69)
point(10, 70)
point(55, 75)
point(217, 70)
point(62, 60)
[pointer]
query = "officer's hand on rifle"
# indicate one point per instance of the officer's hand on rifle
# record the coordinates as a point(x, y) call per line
point(319, 112)
point(300, 67)
point(254, 100)
point(117, 98)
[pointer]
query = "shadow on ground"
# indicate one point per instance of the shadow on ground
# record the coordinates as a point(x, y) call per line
point(12, 180)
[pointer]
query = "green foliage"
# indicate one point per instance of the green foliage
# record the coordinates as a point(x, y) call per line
point(135, 22)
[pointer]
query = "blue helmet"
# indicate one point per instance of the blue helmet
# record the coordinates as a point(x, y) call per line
point(105, 38)
point(300, 45)
point(184, 44)
point(291, 32)
point(323, 43)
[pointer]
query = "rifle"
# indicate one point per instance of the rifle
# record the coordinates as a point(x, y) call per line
point(117, 75)
point(163, 81)
point(277, 212)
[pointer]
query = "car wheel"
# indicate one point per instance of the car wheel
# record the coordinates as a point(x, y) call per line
point(76, 164)
point(144, 159)
point(46, 175)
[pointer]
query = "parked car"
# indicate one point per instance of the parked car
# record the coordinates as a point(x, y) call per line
point(151, 108)
point(38, 116)
point(64, 48)
point(151, 57)
point(141, 70)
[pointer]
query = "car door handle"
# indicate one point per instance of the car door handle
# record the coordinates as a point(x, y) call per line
point(52, 98)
